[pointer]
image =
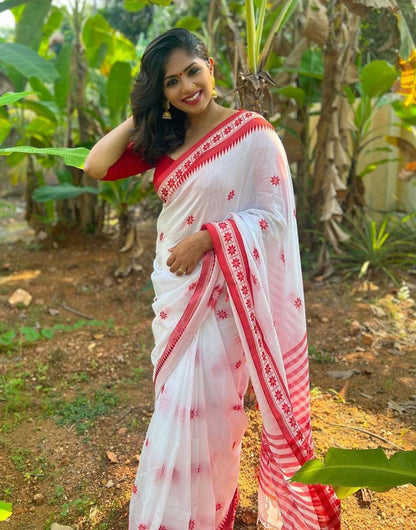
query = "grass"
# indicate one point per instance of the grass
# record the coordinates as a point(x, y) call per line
point(16, 338)
point(82, 410)
point(14, 393)
point(320, 356)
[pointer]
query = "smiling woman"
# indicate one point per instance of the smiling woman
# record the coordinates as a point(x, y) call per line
point(228, 304)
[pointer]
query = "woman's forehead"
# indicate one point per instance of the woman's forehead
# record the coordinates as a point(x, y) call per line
point(178, 60)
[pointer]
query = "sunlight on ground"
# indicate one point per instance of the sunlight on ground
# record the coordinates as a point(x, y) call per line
point(20, 276)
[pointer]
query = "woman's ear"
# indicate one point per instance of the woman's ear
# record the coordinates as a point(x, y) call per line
point(211, 65)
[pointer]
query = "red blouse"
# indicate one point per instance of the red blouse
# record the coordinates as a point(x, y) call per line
point(130, 163)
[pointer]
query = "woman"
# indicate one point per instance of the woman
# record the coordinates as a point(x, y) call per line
point(228, 305)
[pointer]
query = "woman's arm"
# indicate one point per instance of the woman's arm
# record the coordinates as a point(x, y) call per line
point(108, 150)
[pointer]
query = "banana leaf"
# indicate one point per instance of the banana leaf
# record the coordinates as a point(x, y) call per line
point(348, 470)
point(64, 191)
point(11, 97)
point(72, 156)
point(5, 510)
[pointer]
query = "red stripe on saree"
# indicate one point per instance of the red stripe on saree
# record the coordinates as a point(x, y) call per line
point(294, 446)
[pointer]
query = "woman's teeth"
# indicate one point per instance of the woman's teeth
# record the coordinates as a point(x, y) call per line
point(194, 97)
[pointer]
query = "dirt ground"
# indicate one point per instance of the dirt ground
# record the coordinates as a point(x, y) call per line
point(76, 394)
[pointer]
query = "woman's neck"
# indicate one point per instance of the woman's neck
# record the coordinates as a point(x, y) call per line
point(206, 120)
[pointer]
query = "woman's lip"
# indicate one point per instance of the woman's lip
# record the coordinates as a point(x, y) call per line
point(193, 101)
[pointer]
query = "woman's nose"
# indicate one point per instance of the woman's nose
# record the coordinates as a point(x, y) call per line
point(188, 85)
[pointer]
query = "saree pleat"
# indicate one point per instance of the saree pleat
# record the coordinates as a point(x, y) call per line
point(240, 314)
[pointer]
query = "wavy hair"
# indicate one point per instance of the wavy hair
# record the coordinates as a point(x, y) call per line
point(152, 136)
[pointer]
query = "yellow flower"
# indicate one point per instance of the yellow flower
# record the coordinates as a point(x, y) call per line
point(408, 78)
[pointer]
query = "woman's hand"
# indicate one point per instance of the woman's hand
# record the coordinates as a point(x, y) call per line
point(186, 255)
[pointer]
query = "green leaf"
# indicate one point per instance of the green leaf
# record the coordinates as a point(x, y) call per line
point(118, 86)
point(62, 86)
point(30, 334)
point(135, 5)
point(97, 36)
point(44, 109)
point(7, 338)
point(27, 62)
point(80, 324)
point(72, 156)
point(40, 89)
point(11, 97)
point(5, 510)
point(161, 2)
point(407, 114)
point(377, 78)
point(292, 92)
point(407, 43)
point(360, 468)
point(5, 128)
point(30, 25)
point(190, 23)
point(47, 333)
point(64, 191)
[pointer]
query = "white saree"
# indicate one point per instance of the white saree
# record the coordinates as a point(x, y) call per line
point(240, 314)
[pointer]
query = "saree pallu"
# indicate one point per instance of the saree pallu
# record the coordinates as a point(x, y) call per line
point(240, 314)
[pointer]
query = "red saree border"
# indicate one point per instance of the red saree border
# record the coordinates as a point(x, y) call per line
point(228, 522)
point(234, 265)
point(175, 337)
point(225, 235)
point(222, 138)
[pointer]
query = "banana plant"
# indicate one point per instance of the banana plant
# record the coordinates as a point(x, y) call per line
point(253, 79)
point(349, 470)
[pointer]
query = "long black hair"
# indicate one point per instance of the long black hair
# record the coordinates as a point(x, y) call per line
point(153, 136)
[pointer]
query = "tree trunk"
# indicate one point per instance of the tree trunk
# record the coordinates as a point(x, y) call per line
point(329, 168)
point(34, 210)
point(254, 93)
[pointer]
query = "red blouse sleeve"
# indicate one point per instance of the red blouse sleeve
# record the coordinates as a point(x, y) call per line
point(130, 163)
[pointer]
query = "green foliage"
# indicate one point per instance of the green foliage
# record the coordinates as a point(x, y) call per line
point(348, 470)
point(256, 11)
point(388, 246)
point(72, 156)
point(7, 209)
point(64, 191)
point(320, 356)
point(15, 395)
point(311, 71)
point(118, 90)
point(5, 510)
point(406, 113)
point(377, 78)
point(83, 410)
point(27, 62)
point(12, 97)
point(124, 193)
point(79, 506)
point(17, 338)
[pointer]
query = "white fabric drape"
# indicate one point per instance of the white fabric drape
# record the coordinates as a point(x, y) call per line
point(239, 314)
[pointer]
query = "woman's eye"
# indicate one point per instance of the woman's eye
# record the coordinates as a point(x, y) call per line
point(193, 71)
point(171, 83)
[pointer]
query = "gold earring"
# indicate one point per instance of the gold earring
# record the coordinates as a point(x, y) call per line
point(214, 94)
point(166, 115)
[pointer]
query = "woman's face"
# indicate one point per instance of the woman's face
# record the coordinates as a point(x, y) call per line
point(187, 83)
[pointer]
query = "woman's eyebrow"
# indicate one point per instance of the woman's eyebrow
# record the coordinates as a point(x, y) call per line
point(180, 73)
